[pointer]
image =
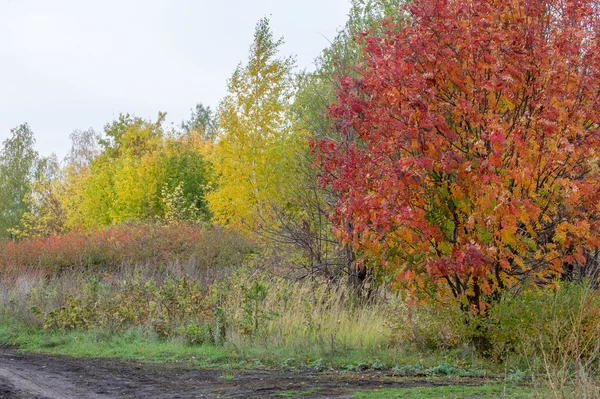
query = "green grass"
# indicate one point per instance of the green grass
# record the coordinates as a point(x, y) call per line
point(228, 377)
point(136, 344)
point(450, 392)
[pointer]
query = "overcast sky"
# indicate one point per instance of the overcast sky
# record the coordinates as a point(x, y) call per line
point(74, 64)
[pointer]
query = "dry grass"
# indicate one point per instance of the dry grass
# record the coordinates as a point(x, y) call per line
point(569, 349)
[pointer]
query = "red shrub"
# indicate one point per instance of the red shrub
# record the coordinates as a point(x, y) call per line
point(107, 249)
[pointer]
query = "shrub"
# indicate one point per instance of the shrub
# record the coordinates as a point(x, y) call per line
point(554, 324)
point(114, 248)
point(178, 303)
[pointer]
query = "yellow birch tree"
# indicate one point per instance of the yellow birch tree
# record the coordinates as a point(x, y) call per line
point(256, 145)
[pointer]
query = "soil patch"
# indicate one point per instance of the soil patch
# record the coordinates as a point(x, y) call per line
point(59, 377)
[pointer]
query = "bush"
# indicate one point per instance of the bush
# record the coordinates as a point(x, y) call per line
point(430, 327)
point(551, 324)
point(175, 306)
point(122, 246)
point(532, 330)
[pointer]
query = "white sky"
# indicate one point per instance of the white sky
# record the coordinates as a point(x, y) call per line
point(74, 64)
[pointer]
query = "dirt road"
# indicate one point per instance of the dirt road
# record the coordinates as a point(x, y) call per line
point(58, 377)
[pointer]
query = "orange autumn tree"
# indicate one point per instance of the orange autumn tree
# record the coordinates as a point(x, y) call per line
point(469, 158)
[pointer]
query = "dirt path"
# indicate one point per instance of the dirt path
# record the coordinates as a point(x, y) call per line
point(58, 377)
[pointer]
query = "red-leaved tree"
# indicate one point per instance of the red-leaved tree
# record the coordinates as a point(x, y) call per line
point(471, 152)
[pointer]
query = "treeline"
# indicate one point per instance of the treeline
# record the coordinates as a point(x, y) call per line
point(246, 165)
point(136, 171)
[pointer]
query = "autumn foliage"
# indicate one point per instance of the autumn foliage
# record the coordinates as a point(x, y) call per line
point(118, 247)
point(470, 145)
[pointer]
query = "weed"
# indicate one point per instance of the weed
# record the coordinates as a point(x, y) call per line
point(378, 365)
point(409, 369)
point(516, 376)
point(442, 368)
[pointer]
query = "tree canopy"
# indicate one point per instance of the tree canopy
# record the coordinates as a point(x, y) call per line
point(18, 162)
point(255, 144)
point(475, 158)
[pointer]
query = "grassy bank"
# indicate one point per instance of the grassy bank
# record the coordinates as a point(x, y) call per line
point(137, 344)
point(440, 378)
point(435, 377)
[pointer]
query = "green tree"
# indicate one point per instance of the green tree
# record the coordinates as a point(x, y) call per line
point(45, 214)
point(18, 160)
point(138, 165)
point(204, 121)
point(184, 175)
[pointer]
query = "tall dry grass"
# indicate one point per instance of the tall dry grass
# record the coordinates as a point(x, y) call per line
point(316, 313)
point(567, 350)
